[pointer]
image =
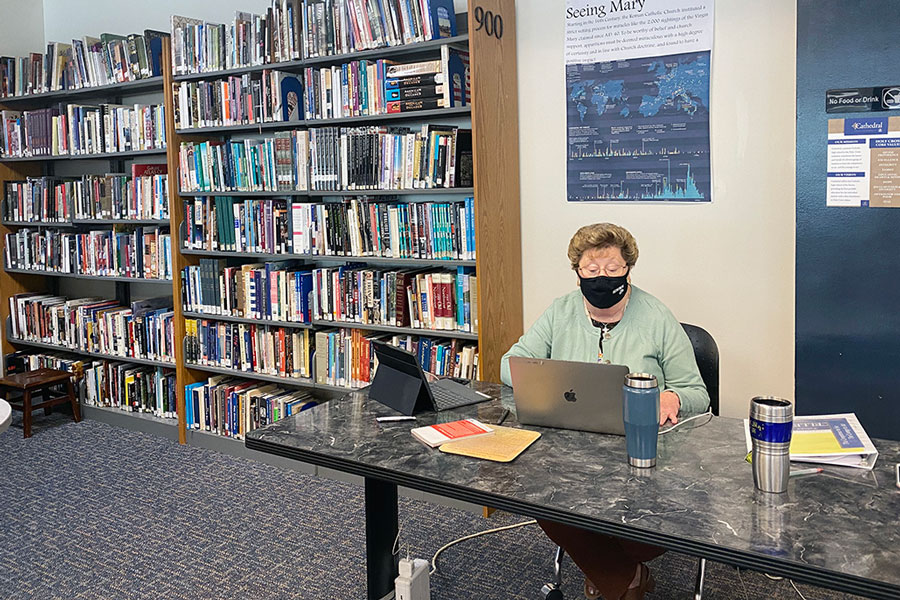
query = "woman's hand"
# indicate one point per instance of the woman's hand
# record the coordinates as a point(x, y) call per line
point(669, 403)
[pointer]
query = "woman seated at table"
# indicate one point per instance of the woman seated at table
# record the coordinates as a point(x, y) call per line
point(609, 320)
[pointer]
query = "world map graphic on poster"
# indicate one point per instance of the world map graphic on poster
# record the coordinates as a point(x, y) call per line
point(639, 129)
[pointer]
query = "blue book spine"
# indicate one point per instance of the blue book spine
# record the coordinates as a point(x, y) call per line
point(188, 416)
point(470, 229)
point(460, 310)
point(443, 18)
point(306, 290)
point(364, 87)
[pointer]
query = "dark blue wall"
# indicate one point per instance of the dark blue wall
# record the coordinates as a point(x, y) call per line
point(848, 259)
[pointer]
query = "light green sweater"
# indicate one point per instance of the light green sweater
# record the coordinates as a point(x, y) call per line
point(648, 339)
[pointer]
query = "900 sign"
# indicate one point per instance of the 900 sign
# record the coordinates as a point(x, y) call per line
point(489, 22)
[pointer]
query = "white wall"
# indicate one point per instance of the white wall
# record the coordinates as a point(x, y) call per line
point(727, 266)
point(65, 19)
point(21, 27)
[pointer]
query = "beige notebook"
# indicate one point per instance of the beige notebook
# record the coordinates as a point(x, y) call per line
point(503, 446)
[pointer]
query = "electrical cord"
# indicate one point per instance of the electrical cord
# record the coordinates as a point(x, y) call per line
point(473, 535)
point(791, 581)
point(708, 413)
point(802, 597)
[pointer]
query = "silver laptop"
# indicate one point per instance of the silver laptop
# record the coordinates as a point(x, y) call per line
point(568, 395)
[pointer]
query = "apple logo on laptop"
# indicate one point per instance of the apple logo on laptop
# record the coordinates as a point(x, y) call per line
point(570, 395)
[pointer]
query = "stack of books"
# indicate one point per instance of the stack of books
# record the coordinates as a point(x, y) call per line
point(422, 299)
point(249, 225)
point(272, 164)
point(143, 195)
point(263, 349)
point(266, 97)
point(231, 407)
point(95, 325)
point(130, 387)
point(86, 62)
point(249, 40)
point(274, 291)
point(362, 227)
point(143, 252)
point(441, 357)
point(82, 130)
point(337, 26)
point(389, 158)
point(39, 200)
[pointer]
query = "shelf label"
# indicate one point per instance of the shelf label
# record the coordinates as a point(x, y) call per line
point(489, 22)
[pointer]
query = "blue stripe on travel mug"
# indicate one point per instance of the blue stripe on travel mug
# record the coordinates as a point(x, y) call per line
point(774, 433)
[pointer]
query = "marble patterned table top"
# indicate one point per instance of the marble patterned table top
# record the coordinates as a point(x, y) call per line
point(837, 529)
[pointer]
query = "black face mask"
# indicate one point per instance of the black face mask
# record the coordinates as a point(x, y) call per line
point(602, 291)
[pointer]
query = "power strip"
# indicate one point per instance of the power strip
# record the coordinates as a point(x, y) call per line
point(413, 582)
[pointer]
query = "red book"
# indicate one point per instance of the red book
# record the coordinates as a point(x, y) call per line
point(441, 433)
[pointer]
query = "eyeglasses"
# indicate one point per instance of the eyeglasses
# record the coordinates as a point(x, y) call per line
point(612, 270)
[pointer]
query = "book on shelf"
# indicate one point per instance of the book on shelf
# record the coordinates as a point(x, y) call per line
point(251, 348)
point(351, 89)
point(837, 439)
point(39, 200)
point(387, 158)
point(95, 325)
point(420, 299)
point(231, 407)
point(366, 87)
point(106, 383)
point(274, 291)
point(265, 97)
point(356, 227)
point(82, 130)
point(85, 63)
point(272, 164)
point(344, 357)
point(227, 224)
point(143, 195)
point(442, 357)
point(142, 252)
point(249, 40)
point(359, 227)
point(441, 433)
point(333, 27)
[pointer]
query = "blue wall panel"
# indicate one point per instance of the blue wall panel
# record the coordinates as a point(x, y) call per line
point(848, 259)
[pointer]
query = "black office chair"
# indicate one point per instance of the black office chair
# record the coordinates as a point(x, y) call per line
point(706, 353)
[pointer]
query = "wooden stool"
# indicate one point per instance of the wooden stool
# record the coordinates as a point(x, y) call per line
point(39, 381)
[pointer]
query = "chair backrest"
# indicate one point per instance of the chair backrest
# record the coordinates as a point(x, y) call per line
point(707, 354)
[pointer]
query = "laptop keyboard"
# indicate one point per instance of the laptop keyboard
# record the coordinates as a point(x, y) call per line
point(448, 394)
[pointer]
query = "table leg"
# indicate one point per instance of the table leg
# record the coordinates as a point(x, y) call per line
point(381, 531)
point(70, 389)
point(26, 416)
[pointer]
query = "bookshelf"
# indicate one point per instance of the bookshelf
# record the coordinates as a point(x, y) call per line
point(492, 116)
point(20, 280)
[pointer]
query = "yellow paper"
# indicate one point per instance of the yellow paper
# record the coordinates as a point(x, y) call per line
point(818, 442)
point(505, 444)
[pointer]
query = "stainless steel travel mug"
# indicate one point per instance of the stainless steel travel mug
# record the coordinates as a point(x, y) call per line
point(640, 408)
point(771, 420)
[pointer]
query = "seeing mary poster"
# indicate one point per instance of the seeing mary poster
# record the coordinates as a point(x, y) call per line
point(637, 100)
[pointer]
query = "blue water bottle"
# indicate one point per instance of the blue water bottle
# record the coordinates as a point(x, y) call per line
point(640, 407)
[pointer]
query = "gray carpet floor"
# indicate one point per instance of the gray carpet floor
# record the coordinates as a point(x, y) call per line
point(92, 511)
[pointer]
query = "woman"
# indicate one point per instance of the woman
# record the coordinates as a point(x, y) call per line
point(609, 320)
